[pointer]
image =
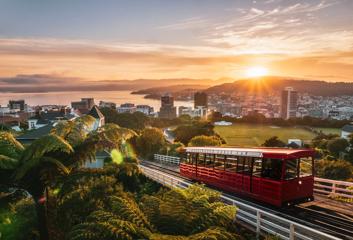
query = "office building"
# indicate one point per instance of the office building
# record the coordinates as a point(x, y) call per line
point(289, 103)
point(200, 100)
point(167, 109)
point(17, 104)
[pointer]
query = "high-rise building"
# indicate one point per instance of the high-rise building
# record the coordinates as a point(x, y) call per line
point(84, 104)
point(17, 104)
point(167, 109)
point(289, 103)
point(200, 100)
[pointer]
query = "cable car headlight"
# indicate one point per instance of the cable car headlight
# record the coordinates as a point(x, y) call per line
point(300, 182)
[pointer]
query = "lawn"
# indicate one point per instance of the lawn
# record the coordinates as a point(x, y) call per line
point(329, 130)
point(255, 135)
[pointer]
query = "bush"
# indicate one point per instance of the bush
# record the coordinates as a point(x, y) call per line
point(335, 169)
point(202, 141)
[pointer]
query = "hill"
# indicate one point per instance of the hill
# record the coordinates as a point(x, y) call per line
point(276, 84)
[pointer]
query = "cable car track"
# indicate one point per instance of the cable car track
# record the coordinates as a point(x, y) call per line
point(339, 226)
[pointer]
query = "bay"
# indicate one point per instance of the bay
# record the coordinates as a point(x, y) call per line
point(65, 98)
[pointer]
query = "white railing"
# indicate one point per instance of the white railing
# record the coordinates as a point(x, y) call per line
point(323, 186)
point(166, 159)
point(261, 221)
point(333, 188)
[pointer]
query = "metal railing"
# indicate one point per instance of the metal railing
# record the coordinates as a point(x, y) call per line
point(166, 159)
point(261, 221)
point(323, 186)
point(333, 188)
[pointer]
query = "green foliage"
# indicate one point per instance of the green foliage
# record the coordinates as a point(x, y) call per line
point(195, 213)
point(136, 121)
point(150, 141)
point(18, 220)
point(202, 141)
point(334, 169)
point(185, 133)
point(337, 145)
point(274, 142)
point(38, 152)
point(82, 196)
point(189, 211)
point(9, 146)
point(174, 149)
point(74, 132)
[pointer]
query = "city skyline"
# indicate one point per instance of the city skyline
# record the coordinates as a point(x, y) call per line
point(90, 41)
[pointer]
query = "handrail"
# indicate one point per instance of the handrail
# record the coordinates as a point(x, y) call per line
point(323, 186)
point(260, 220)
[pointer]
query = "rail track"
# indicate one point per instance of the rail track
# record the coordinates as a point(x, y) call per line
point(338, 225)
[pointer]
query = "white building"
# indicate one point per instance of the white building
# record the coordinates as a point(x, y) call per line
point(145, 109)
point(346, 131)
point(126, 108)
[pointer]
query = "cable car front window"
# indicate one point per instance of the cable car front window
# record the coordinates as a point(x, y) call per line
point(306, 167)
point(291, 169)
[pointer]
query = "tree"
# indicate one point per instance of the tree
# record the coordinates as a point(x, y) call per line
point(336, 146)
point(149, 142)
point(193, 213)
point(202, 141)
point(334, 169)
point(136, 121)
point(274, 142)
point(36, 167)
point(185, 133)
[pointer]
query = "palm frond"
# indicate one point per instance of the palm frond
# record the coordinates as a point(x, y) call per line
point(33, 154)
point(8, 163)
point(9, 146)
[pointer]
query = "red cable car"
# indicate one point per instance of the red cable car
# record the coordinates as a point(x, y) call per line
point(278, 176)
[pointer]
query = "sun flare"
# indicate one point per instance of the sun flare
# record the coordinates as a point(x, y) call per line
point(257, 71)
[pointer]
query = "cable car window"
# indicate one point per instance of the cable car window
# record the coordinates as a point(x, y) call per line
point(291, 169)
point(201, 159)
point(209, 160)
point(219, 162)
point(257, 167)
point(306, 167)
point(193, 158)
point(244, 165)
point(271, 168)
point(231, 163)
point(187, 158)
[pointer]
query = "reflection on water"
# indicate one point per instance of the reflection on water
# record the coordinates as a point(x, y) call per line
point(65, 98)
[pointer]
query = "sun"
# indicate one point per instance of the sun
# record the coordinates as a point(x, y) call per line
point(256, 71)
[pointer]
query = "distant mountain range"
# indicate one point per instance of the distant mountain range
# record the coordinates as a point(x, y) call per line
point(276, 84)
point(179, 87)
point(259, 86)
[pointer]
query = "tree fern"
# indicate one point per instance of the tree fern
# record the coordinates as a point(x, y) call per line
point(9, 146)
point(33, 155)
point(130, 211)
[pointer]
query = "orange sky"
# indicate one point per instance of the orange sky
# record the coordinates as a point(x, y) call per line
point(306, 39)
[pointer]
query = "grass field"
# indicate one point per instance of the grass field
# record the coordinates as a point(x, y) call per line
point(255, 135)
point(329, 130)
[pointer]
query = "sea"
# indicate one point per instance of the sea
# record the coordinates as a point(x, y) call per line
point(65, 98)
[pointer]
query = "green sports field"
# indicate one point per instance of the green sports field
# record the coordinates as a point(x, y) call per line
point(255, 135)
point(329, 130)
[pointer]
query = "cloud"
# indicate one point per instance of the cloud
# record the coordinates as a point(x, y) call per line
point(189, 23)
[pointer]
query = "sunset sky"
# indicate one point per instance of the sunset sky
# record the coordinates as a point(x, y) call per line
point(158, 39)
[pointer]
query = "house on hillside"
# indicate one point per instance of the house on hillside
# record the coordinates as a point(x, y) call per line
point(44, 118)
point(98, 115)
point(35, 134)
point(346, 131)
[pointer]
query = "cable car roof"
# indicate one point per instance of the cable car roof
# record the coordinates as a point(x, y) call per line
point(253, 152)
